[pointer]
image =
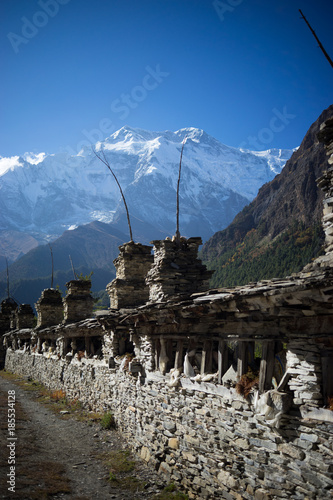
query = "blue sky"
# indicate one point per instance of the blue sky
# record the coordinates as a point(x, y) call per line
point(248, 72)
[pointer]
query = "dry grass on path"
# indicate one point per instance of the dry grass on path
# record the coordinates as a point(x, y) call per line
point(40, 478)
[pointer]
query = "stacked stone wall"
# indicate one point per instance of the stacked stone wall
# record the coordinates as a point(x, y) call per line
point(78, 303)
point(176, 271)
point(128, 289)
point(49, 308)
point(204, 437)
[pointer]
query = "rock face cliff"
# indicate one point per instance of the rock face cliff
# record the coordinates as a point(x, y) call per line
point(290, 203)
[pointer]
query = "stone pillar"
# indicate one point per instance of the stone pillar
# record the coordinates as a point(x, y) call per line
point(176, 271)
point(13, 320)
point(24, 317)
point(325, 182)
point(129, 289)
point(304, 365)
point(49, 308)
point(78, 303)
point(8, 306)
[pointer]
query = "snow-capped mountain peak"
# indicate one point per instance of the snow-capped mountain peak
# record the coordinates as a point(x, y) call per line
point(47, 194)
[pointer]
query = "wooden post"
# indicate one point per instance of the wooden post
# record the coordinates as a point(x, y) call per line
point(157, 354)
point(206, 360)
point(121, 346)
point(266, 366)
point(242, 363)
point(179, 355)
point(66, 346)
point(222, 360)
point(87, 345)
point(169, 351)
point(327, 372)
point(250, 350)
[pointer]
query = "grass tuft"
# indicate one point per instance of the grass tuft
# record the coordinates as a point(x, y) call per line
point(170, 493)
point(119, 461)
point(121, 466)
point(58, 395)
point(108, 421)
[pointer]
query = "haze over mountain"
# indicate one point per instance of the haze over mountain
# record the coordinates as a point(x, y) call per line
point(44, 195)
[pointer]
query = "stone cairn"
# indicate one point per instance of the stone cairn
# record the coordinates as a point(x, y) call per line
point(23, 317)
point(325, 182)
point(78, 303)
point(129, 289)
point(49, 308)
point(177, 271)
point(8, 307)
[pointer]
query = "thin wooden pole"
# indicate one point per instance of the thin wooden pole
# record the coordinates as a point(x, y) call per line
point(74, 273)
point(7, 278)
point(105, 161)
point(178, 184)
point(319, 42)
point(52, 265)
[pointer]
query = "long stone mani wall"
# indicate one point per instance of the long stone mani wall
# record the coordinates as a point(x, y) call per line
point(206, 438)
point(227, 393)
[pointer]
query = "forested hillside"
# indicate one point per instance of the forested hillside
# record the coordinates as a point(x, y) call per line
point(253, 260)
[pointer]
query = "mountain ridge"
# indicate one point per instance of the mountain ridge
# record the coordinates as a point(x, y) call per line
point(44, 195)
point(146, 165)
point(290, 200)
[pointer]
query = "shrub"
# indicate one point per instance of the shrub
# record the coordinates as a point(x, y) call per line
point(58, 395)
point(246, 382)
point(330, 403)
point(108, 421)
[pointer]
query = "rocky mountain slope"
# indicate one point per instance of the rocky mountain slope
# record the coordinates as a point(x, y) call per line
point(279, 231)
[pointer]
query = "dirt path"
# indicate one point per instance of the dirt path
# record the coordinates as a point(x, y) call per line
point(62, 459)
